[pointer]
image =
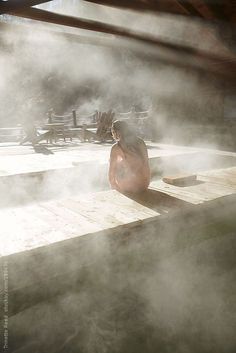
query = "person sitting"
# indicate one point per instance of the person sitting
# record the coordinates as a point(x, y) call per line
point(129, 170)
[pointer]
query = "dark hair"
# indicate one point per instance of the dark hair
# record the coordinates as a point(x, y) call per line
point(129, 139)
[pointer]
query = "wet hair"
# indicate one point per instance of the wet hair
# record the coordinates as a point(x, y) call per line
point(129, 139)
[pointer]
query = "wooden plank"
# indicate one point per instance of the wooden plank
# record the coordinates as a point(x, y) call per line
point(109, 209)
point(14, 5)
point(33, 226)
point(180, 180)
point(221, 176)
point(21, 230)
point(197, 194)
point(63, 218)
point(203, 58)
point(203, 9)
point(23, 159)
point(168, 6)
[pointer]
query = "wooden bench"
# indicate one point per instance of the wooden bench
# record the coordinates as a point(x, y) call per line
point(101, 131)
point(60, 126)
point(137, 120)
point(71, 125)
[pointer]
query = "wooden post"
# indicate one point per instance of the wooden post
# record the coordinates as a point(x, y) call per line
point(84, 132)
point(74, 118)
point(50, 116)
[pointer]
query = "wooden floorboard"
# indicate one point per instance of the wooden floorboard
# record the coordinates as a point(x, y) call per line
point(33, 226)
point(36, 225)
point(220, 176)
point(40, 223)
point(208, 186)
point(16, 160)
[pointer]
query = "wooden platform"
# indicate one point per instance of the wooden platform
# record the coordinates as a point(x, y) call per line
point(33, 226)
point(36, 225)
point(43, 239)
point(47, 245)
point(39, 223)
point(49, 172)
point(208, 186)
point(26, 160)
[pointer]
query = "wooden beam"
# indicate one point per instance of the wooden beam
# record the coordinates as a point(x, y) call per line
point(191, 10)
point(168, 6)
point(203, 9)
point(11, 5)
point(224, 64)
point(56, 18)
point(208, 10)
point(230, 10)
point(147, 54)
point(64, 20)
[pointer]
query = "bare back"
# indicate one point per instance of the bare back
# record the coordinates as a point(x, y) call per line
point(129, 170)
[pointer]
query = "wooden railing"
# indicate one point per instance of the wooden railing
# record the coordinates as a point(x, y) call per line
point(11, 134)
point(80, 124)
point(75, 118)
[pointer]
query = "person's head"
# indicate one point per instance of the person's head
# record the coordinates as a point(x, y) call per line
point(123, 132)
point(120, 130)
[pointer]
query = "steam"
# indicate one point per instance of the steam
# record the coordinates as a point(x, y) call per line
point(146, 295)
point(42, 71)
point(172, 293)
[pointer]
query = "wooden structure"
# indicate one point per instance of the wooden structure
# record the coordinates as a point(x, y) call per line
point(59, 126)
point(55, 248)
point(75, 226)
point(117, 210)
point(63, 243)
point(140, 121)
point(208, 186)
point(104, 123)
point(223, 65)
point(96, 126)
point(11, 134)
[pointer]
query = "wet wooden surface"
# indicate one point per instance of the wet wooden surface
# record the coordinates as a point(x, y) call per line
point(32, 226)
point(208, 186)
point(35, 225)
point(15, 159)
point(41, 223)
point(220, 176)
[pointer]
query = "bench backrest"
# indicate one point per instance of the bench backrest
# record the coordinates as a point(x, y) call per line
point(67, 120)
point(104, 123)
